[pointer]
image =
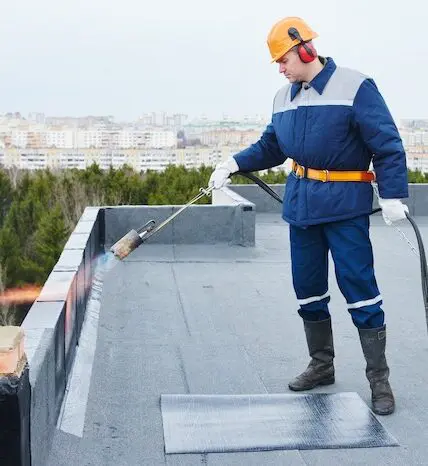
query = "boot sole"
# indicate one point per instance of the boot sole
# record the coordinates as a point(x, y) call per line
point(329, 381)
point(384, 413)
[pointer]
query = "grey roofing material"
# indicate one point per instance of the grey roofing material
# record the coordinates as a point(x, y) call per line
point(222, 319)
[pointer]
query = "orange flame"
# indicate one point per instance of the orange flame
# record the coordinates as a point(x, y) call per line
point(25, 294)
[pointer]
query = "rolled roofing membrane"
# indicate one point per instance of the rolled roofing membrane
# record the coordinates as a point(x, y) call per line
point(231, 423)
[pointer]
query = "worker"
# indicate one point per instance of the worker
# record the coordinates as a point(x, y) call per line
point(333, 123)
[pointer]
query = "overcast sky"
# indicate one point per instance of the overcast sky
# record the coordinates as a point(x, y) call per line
point(128, 57)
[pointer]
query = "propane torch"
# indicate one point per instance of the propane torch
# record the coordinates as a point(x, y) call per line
point(135, 238)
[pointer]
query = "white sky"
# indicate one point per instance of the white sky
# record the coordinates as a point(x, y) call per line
point(128, 57)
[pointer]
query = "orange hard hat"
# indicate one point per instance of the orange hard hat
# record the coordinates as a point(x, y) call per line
point(279, 40)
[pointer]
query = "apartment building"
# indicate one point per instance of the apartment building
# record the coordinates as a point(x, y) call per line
point(417, 157)
point(36, 138)
point(414, 138)
point(224, 137)
point(138, 159)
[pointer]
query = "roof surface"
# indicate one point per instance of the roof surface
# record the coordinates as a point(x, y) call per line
point(222, 319)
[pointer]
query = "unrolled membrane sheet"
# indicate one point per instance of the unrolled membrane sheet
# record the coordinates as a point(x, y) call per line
point(228, 423)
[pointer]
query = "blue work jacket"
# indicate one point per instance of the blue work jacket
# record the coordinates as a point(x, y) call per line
point(339, 121)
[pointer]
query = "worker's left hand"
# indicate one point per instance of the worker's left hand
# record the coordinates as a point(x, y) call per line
point(220, 176)
point(393, 210)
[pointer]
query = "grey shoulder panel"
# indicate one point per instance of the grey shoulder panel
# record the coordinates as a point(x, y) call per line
point(340, 90)
point(344, 84)
point(281, 99)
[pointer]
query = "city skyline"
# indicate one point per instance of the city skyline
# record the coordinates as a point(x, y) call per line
point(43, 118)
point(77, 144)
point(222, 116)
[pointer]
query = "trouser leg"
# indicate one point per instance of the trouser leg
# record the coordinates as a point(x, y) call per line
point(353, 257)
point(352, 254)
point(309, 263)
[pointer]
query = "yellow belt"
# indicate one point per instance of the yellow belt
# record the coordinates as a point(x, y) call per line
point(328, 175)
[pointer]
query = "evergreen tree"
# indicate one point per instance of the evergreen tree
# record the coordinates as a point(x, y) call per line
point(48, 243)
point(416, 176)
point(5, 195)
point(10, 257)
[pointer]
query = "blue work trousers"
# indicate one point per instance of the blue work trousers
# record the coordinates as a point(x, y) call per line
point(352, 254)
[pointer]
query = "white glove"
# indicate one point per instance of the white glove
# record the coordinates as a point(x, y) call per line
point(393, 210)
point(219, 177)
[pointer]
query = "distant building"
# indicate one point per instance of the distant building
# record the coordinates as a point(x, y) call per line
point(139, 159)
point(224, 137)
point(38, 118)
point(414, 133)
point(417, 158)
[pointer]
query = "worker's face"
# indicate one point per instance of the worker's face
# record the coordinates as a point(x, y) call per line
point(292, 67)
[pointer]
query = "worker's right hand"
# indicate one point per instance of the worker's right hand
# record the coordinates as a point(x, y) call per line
point(220, 176)
point(393, 210)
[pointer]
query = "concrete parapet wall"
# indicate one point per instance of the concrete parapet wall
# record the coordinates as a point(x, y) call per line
point(417, 200)
point(261, 199)
point(232, 221)
point(52, 328)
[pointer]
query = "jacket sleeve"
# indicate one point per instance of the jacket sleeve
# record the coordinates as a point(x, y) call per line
point(381, 136)
point(265, 153)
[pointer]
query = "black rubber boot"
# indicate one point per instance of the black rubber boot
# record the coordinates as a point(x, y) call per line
point(320, 371)
point(373, 344)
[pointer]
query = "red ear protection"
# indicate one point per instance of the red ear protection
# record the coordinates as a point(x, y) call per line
point(306, 51)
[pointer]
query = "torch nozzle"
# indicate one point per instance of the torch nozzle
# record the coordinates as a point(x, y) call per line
point(131, 241)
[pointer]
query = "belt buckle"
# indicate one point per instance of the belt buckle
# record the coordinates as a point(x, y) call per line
point(327, 176)
point(304, 171)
